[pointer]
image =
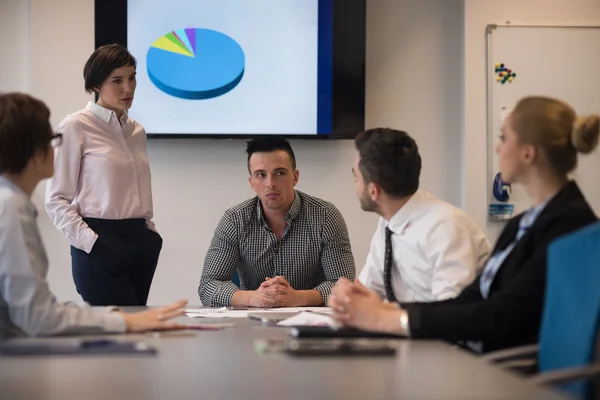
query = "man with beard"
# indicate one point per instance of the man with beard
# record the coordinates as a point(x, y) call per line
point(424, 249)
point(288, 248)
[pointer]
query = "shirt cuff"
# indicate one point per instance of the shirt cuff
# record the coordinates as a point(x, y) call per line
point(223, 298)
point(405, 322)
point(151, 225)
point(325, 290)
point(113, 323)
point(414, 319)
point(88, 240)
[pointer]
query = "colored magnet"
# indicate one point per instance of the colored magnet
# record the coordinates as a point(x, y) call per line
point(504, 74)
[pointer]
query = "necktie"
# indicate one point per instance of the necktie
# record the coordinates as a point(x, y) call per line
point(387, 266)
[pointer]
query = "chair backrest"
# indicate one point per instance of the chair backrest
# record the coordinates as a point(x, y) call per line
point(572, 304)
point(236, 278)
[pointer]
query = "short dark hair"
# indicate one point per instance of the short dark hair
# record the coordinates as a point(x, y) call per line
point(267, 144)
point(389, 158)
point(24, 130)
point(102, 62)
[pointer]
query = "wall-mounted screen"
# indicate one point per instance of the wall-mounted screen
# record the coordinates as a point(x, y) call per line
point(230, 68)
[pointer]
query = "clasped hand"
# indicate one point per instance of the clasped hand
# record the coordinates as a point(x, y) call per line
point(274, 292)
point(355, 305)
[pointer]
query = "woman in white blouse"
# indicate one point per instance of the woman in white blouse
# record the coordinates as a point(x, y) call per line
point(100, 196)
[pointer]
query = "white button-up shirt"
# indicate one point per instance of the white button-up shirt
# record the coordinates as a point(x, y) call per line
point(27, 307)
point(437, 249)
point(101, 170)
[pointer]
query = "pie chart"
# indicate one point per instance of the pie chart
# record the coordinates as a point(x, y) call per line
point(195, 63)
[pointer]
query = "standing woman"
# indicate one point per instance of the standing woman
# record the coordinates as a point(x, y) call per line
point(100, 196)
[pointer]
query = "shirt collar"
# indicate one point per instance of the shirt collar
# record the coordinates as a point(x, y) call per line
point(531, 215)
point(5, 182)
point(103, 113)
point(401, 219)
point(292, 213)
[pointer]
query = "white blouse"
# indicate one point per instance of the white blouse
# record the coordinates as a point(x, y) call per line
point(101, 170)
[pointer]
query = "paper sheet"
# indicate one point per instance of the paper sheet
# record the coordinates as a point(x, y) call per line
point(224, 312)
point(202, 311)
point(309, 319)
point(221, 314)
point(322, 310)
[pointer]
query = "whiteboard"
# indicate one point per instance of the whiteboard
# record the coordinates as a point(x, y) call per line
point(561, 62)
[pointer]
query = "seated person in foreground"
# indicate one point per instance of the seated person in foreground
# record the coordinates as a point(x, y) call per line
point(27, 307)
point(424, 249)
point(503, 307)
point(288, 248)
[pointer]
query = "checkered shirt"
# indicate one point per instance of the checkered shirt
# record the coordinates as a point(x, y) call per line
point(313, 253)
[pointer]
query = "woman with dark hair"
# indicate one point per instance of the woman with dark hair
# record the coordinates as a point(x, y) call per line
point(502, 308)
point(27, 307)
point(100, 196)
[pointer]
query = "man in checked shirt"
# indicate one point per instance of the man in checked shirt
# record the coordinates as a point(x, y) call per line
point(287, 247)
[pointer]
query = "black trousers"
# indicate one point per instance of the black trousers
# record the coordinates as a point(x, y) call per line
point(119, 269)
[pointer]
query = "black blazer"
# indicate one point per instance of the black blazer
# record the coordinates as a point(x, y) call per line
point(511, 315)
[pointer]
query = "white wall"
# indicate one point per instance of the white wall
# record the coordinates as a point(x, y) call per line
point(478, 14)
point(425, 74)
point(14, 45)
point(414, 82)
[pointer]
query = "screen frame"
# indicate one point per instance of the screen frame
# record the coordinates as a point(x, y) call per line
point(347, 47)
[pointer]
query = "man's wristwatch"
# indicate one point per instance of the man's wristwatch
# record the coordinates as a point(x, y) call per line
point(404, 322)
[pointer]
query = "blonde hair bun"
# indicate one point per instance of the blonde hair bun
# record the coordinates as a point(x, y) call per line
point(585, 133)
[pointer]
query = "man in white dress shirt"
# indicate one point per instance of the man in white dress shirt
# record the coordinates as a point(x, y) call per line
point(27, 306)
point(424, 249)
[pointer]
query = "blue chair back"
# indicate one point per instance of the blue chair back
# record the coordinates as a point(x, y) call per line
point(572, 305)
point(236, 278)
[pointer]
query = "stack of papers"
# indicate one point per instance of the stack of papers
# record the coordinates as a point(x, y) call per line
point(309, 319)
point(222, 312)
point(225, 312)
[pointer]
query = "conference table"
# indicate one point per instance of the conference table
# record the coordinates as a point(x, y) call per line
point(225, 364)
